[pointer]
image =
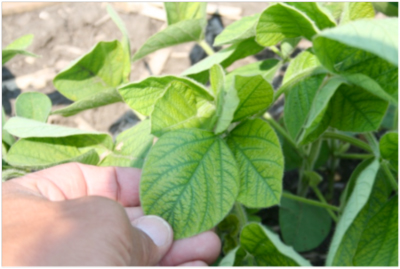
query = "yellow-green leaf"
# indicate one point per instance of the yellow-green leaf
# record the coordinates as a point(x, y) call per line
point(180, 11)
point(33, 105)
point(357, 10)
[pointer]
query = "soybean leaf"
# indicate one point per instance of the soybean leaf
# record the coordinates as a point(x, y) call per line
point(131, 147)
point(379, 37)
point(97, 71)
point(357, 10)
point(180, 11)
point(267, 248)
point(125, 40)
point(38, 153)
point(230, 225)
point(358, 199)
point(356, 110)
point(266, 69)
point(378, 245)
point(389, 122)
point(387, 8)
point(238, 31)
point(24, 128)
point(365, 202)
point(33, 105)
point(334, 8)
point(18, 46)
point(227, 100)
point(282, 21)
point(178, 108)
point(315, 13)
point(190, 179)
point(298, 103)
point(102, 98)
point(225, 57)
point(255, 95)
point(319, 106)
point(234, 257)
point(303, 226)
point(6, 137)
point(389, 148)
point(141, 96)
point(306, 60)
point(177, 33)
point(259, 155)
point(288, 45)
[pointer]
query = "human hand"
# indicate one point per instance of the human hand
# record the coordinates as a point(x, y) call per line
point(75, 214)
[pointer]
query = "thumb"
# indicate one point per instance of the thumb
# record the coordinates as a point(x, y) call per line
point(153, 237)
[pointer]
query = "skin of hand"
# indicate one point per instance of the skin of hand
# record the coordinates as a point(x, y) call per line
point(75, 214)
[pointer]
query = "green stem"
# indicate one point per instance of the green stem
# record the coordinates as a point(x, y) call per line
point(277, 52)
point(374, 144)
point(355, 156)
point(207, 48)
point(241, 214)
point(390, 176)
point(308, 201)
point(322, 199)
point(282, 131)
point(354, 141)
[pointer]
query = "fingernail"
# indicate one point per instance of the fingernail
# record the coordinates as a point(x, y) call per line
point(156, 228)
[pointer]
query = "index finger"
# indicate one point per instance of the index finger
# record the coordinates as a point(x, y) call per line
point(75, 180)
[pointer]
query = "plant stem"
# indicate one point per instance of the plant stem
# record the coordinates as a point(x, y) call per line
point(390, 176)
point(207, 48)
point(355, 156)
point(354, 141)
point(374, 144)
point(308, 201)
point(322, 199)
point(277, 52)
point(241, 214)
point(282, 131)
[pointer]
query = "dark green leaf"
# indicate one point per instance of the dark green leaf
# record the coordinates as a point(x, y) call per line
point(190, 179)
point(303, 226)
point(234, 257)
point(389, 148)
point(387, 8)
point(267, 248)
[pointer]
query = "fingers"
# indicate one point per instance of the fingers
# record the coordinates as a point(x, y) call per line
point(75, 180)
point(134, 212)
point(204, 247)
point(194, 263)
point(152, 238)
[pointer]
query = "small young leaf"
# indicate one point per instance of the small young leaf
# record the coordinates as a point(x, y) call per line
point(306, 60)
point(357, 10)
point(141, 96)
point(33, 105)
point(288, 46)
point(356, 110)
point(11, 173)
point(303, 226)
point(131, 147)
point(238, 31)
point(315, 13)
point(17, 47)
point(190, 179)
point(266, 69)
point(177, 33)
point(389, 148)
point(255, 95)
point(97, 71)
point(259, 155)
point(226, 56)
point(180, 11)
point(25, 128)
point(282, 21)
point(99, 99)
point(227, 100)
point(267, 248)
point(179, 108)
